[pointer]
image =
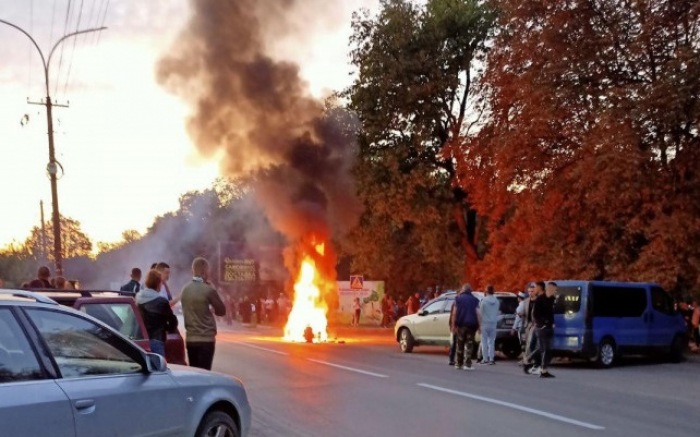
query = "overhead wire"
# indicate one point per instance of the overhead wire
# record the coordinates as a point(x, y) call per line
point(60, 60)
point(87, 44)
point(75, 42)
point(104, 18)
point(30, 55)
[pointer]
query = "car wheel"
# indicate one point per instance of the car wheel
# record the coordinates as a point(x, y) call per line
point(406, 341)
point(511, 349)
point(607, 353)
point(677, 349)
point(217, 424)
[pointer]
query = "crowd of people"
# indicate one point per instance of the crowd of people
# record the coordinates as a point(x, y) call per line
point(200, 302)
point(535, 324)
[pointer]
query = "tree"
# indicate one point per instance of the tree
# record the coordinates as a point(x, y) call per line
point(128, 236)
point(414, 94)
point(74, 241)
point(594, 137)
point(17, 266)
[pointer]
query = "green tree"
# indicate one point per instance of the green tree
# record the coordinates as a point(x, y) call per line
point(74, 241)
point(17, 266)
point(415, 94)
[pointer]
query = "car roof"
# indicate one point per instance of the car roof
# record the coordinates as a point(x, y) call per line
point(23, 297)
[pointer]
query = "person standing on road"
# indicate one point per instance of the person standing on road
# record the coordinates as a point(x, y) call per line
point(156, 313)
point(518, 324)
point(531, 355)
point(164, 270)
point(695, 322)
point(543, 319)
point(489, 309)
point(198, 297)
point(465, 325)
point(135, 284)
point(453, 336)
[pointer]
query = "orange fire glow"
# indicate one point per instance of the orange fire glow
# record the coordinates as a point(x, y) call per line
point(308, 309)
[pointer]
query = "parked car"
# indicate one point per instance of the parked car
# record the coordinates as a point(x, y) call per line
point(430, 326)
point(64, 373)
point(118, 310)
point(603, 320)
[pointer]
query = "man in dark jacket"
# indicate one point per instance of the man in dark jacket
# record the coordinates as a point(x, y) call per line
point(543, 320)
point(465, 325)
point(156, 313)
point(135, 284)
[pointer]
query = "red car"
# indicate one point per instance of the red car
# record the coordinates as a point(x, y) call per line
point(118, 309)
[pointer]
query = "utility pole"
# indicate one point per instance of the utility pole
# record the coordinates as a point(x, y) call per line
point(44, 250)
point(53, 165)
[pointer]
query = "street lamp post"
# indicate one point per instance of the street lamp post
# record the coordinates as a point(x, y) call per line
point(53, 165)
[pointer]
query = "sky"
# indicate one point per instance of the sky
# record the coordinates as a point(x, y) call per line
point(122, 142)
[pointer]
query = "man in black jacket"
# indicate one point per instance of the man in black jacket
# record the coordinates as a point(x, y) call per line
point(156, 312)
point(543, 318)
point(135, 284)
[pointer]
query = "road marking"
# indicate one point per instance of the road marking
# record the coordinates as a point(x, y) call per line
point(272, 351)
point(352, 369)
point(515, 407)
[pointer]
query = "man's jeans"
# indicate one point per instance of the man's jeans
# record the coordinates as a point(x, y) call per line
point(488, 341)
point(201, 354)
point(157, 347)
point(465, 344)
point(544, 339)
point(532, 350)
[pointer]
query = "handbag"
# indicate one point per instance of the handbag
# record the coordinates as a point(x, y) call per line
point(477, 337)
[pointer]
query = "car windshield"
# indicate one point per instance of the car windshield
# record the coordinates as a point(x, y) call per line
point(508, 304)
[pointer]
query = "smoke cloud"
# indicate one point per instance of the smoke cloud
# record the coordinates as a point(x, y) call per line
point(255, 113)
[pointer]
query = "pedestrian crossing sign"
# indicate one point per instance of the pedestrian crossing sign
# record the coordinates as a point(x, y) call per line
point(357, 282)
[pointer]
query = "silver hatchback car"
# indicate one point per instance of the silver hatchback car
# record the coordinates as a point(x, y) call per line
point(65, 374)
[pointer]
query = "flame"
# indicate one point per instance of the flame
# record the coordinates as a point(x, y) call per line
point(308, 309)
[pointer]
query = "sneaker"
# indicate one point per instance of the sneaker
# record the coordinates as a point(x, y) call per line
point(482, 363)
point(451, 363)
point(467, 368)
point(546, 374)
point(535, 370)
point(491, 363)
point(526, 368)
point(457, 366)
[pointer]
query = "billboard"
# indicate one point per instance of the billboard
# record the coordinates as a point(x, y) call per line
point(370, 295)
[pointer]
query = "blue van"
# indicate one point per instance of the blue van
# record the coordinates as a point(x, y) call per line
point(602, 320)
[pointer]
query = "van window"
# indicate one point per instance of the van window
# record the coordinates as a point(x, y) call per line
point(611, 301)
point(568, 300)
point(661, 301)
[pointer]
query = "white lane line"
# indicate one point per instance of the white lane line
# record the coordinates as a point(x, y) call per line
point(515, 407)
point(272, 351)
point(351, 369)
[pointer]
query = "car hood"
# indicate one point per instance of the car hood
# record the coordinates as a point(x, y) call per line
point(193, 376)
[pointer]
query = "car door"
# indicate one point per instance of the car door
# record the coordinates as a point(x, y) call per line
point(104, 378)
point(27, 391)
point(427, 326)
point(663, 319)
point(120, 314)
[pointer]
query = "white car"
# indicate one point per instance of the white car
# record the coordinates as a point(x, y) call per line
point(430, 325)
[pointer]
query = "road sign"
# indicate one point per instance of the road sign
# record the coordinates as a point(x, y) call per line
point(357, 282)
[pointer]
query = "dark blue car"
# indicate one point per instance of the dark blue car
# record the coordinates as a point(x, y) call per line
point(602, 320)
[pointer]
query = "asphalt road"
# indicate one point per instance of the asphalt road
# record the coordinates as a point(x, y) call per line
point(366, 387)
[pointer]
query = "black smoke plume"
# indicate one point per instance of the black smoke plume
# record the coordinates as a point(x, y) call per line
point(255, 114)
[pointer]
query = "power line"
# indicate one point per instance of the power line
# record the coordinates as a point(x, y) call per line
point(31, 30)
point(99, 14)
point(60, 59)
point(88, 44)
point(104, 18)
point(75, 41)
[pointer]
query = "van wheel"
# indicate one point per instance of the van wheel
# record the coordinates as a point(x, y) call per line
point(607, 353)
point(677, 349)
point(406, 341)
